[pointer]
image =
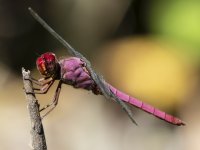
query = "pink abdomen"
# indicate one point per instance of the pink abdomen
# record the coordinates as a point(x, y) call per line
point(146, 107)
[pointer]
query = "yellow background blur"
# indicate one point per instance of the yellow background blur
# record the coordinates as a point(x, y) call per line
point(149, 50)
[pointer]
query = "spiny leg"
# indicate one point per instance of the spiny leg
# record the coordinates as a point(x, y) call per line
point(44, 89)
point(45, 84)
point(42, 81)
point(54, 101)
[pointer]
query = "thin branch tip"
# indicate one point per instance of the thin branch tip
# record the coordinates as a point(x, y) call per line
point(37, 133)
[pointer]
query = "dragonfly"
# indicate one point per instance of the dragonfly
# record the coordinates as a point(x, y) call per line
point(73, 71)
point(77, 72)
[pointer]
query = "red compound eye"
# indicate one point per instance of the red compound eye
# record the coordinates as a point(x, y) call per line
point(48, 57)
point(40, 62)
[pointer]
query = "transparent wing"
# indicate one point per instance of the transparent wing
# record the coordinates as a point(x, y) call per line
point(98, 79)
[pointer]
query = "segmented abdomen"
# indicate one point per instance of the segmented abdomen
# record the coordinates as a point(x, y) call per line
point(146, 107)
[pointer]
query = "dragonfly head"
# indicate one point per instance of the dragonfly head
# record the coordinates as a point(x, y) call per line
point(47, 64)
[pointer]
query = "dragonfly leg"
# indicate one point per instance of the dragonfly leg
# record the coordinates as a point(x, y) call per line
point(44, 89)
point(42, 81)
point(54, 101)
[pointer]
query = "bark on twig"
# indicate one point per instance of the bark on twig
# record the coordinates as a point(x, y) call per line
point(38, 141)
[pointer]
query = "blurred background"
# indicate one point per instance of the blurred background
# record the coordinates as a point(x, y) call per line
point(148, 49)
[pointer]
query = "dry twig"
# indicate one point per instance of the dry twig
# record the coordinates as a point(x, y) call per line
point(38, 141)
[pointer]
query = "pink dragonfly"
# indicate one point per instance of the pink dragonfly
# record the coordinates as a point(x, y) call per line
point(73, 71)
point(76, 71)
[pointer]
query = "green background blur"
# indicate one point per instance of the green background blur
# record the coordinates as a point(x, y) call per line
point(148, 49)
